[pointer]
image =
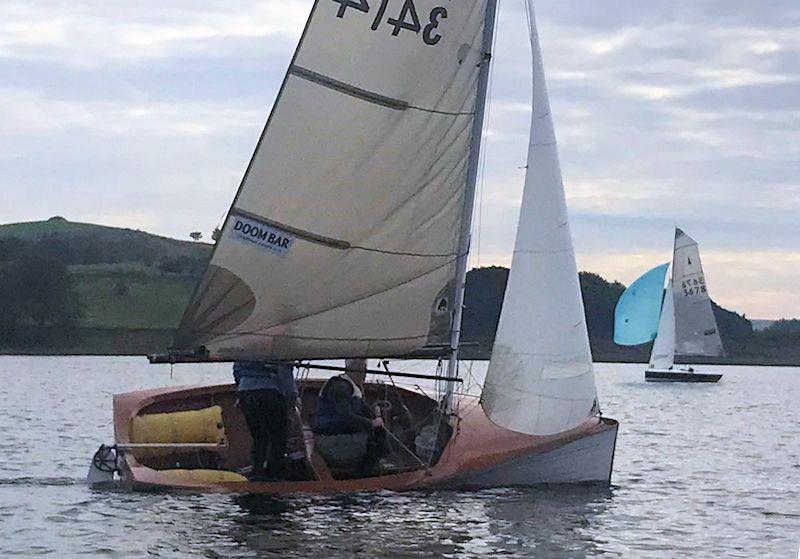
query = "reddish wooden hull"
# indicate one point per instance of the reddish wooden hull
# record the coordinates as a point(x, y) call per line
point(477, 447)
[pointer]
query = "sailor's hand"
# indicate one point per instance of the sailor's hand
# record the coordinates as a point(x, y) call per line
point(377, 423)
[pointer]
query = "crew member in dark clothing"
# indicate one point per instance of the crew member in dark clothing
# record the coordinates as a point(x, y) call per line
point(340, 411)
point(267, 392)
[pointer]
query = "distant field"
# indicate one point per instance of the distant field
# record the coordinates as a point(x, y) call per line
point(134, 300)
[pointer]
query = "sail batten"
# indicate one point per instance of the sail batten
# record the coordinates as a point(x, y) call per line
point(348, 89)
point(540, 379)
point(307, 235)
point(364, 95)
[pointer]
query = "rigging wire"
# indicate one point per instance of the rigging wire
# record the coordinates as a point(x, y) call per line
point(483, 154)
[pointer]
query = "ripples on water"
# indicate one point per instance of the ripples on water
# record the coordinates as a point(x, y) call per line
point(700, 471)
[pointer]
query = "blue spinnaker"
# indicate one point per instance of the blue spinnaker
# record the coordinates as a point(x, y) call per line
point(639, 308)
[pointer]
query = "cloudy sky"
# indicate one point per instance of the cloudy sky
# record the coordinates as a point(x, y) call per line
point(144, 115)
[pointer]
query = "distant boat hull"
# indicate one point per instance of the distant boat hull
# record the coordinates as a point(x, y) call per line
point(479, 454)
point(677, 375)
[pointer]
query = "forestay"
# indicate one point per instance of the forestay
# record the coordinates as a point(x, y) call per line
point(540, 379)
point(696, 329)
point(638, 310)
point(662, 355)
point(342, 240)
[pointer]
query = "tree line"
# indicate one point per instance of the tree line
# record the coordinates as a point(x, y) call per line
point(778, 344)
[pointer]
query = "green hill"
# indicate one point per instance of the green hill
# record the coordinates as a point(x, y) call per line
point(85, 243)
point(124, 281)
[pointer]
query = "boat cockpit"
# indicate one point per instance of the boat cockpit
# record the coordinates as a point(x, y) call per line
point(202, 432)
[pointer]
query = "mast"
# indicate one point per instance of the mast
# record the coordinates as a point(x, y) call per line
point(469, 198)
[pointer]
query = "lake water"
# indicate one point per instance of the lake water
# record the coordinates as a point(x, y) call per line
point(700, 471)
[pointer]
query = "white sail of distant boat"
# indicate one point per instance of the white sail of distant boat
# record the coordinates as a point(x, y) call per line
point(696, 331)
point(686, 323)
point(540, 379)
point(350, 228)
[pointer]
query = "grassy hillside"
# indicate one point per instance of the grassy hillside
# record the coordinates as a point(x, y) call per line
point(86, 244)
point(131, 286)
point(54, 226)
point(128, 299)
point(130, 242)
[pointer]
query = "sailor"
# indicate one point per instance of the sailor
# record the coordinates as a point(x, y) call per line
point(348, 434)
point(356, 374)
point(267, 392)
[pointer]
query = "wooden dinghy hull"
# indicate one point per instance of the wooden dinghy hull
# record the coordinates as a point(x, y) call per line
point(665, 375)
point(479, 454)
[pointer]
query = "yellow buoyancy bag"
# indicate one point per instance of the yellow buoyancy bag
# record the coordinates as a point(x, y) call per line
point(194, 426)
point(200, 477)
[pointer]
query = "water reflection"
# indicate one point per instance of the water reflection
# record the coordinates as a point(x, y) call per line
point(553, 522)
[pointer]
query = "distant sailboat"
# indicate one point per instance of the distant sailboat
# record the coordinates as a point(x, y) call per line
point(680, 317)
point(349, 237)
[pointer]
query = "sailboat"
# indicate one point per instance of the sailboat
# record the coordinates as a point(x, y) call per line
point(349, 237)
point(679, 317)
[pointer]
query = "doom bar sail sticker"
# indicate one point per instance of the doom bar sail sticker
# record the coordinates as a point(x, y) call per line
point(265, 237)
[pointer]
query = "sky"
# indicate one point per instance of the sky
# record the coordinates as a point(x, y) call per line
point(144, 115)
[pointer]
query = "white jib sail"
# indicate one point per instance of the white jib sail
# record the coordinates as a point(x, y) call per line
point(696, 331)
point(663, 354)
point(343, 238)
point(540, 379)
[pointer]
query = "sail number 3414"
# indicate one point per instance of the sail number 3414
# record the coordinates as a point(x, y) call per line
point(408, 18)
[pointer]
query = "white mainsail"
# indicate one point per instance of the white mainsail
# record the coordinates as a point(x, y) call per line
point(540, 379)
point(663, 354)
point(345, 235)
point(696, 328)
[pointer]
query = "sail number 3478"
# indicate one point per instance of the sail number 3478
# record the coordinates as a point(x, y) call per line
point(693, 286)
point(408, 18)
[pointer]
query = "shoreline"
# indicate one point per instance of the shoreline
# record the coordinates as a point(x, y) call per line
point(118, 342)
point(748, 362)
